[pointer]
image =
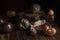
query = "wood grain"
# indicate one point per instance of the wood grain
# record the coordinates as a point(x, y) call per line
point(23, 35)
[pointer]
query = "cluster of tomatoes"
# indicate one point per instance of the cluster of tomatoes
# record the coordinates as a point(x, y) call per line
point(11, 21)
point(7, 26)
point(48, 30)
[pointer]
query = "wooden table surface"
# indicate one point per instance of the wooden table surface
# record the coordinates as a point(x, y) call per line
point(23, 35)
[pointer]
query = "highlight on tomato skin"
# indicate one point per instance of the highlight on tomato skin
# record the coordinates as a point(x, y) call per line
point(2, 21)
point(8, 27)
point(45, 27)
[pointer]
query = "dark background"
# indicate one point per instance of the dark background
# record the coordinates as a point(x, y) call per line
point(21, 5)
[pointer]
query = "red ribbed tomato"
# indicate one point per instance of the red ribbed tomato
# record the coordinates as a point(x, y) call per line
point(45, 27)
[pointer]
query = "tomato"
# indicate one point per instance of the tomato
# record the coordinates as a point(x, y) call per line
point(8, 27)
point(45, 27)
point(51, 12)
point(11, 13)
point(51, 31)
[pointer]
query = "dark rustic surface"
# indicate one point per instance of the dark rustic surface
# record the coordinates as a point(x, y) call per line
point(24, 35)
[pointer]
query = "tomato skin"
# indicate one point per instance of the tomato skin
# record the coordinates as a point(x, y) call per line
point(45, 27)
point(8, 27)
point(25, 23)
point(51, 32)
point(51, 12)
point(11, 13)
